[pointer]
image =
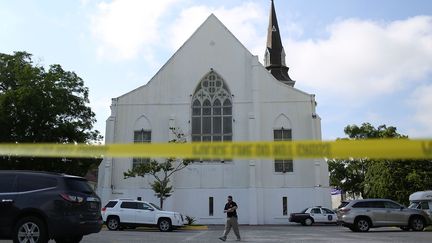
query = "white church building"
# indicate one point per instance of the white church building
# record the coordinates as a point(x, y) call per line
point(214, 89)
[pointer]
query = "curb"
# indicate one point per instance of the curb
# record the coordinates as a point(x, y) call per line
point(185, 227)
point(194, 227)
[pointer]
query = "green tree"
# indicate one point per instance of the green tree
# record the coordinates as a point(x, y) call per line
point(349, 174)
point(397, 179)
point(162, 171)
point(44, 106)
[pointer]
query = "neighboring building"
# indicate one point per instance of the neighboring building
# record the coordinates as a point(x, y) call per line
point(214, 89)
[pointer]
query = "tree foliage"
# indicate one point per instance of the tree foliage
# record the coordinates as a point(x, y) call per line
point(394, 179)
point(349, 174)
point(161, 171)
point(43, 106)
point(397, 179)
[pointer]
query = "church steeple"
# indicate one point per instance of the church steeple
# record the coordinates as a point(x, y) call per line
point(274, 58)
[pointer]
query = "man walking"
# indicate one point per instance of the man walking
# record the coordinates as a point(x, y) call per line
point(231, 221)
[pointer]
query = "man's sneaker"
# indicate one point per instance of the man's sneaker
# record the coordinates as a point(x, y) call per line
point(222, 238)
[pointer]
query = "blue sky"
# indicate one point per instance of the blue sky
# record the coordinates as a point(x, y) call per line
point(366, 61)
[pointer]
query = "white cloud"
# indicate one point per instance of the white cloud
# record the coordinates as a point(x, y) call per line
point(128, 28)
point(364, 59)
point(421, 103)
point(242, 20)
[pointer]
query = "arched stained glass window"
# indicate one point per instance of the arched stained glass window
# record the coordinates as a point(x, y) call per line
point(211, 110)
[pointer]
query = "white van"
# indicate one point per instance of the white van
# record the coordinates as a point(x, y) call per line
point(422, 200)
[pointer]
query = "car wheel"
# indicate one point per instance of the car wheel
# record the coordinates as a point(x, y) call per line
point(164, 225)
point(362, 225)
point(74, 239)
point(308, 221)
point(417, 224)
point(30, 229)
point(113, 223)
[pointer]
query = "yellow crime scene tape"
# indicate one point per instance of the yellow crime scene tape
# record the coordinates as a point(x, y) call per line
point(374, 149)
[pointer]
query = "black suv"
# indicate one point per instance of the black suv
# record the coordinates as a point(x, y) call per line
point(38, 206)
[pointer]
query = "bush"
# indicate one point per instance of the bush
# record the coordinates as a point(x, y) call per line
point(190, 220)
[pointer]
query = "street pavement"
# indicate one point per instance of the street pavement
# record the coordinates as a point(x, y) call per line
point(288, 233)
point(280, 233)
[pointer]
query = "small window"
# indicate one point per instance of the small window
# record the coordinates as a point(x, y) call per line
point(211, 206)
point(392, 205)
point(6, 183)
point(361, 205)
point(35, 182)
point(142, 136)
point(377, 204)
point(316, 211)
point(327, 211)
point(131, 205)
point(143, 206)
point(370, 204)
point(283, 165)
point(343, 204)
point(424, 205)
point(284, 206)
point(111, 204)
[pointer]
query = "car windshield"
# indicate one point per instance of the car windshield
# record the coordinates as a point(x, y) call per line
point(155, 206)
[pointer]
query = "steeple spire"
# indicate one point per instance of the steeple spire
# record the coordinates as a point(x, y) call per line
point(274, 58)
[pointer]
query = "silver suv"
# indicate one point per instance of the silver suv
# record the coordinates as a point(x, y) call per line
point(361, 215)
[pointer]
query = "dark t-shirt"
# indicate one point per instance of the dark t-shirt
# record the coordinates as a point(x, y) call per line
point(230, 205)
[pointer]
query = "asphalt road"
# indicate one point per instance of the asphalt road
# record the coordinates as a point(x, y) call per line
point(290, 233)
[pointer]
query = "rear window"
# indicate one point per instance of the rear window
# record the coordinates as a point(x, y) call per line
point(343, 204)
point(78, 185)
point(111, 204)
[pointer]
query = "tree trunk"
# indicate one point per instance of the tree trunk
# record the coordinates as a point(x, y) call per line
point(161, 202)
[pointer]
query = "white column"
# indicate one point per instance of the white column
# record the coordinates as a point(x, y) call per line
point(253, 207)
point(107, 165)
point(256, 215)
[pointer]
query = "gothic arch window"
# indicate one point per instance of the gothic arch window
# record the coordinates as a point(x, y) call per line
point(212, 110)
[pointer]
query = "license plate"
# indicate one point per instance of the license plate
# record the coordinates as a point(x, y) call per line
point(93, 205)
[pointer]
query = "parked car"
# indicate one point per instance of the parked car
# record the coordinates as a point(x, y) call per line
point(121, 213)
point(422, 200)
point(361, 215)
point(38, 206)
point(314, 215)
